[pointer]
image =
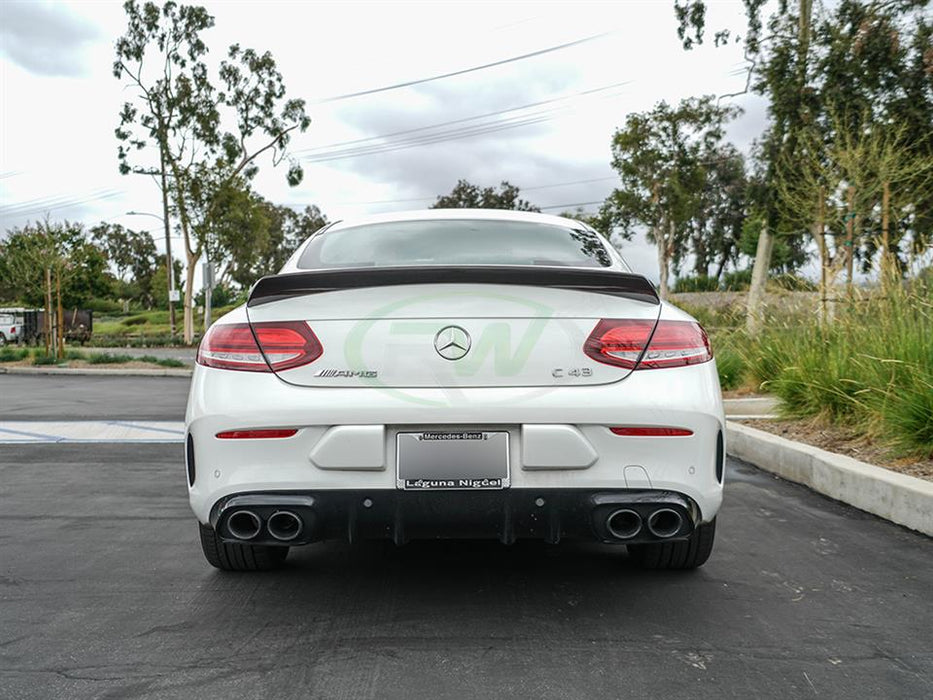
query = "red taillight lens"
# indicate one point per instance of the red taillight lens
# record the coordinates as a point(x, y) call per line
point(231, 347)
point(285, 344)
point(675, 344)
point(647, 431)
point(620, 342)
point(257, 434)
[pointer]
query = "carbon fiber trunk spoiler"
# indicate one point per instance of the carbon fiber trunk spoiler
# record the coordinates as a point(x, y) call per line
point(610, 282)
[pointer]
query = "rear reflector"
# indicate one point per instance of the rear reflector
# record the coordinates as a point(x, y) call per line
point(621, 342)
point(284, 344)
point(643, 431)
point(257, 434)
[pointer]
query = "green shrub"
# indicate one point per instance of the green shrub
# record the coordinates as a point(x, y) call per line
point(737, 281)
point(103, 306)
point(792, 283)
point(11, 354)
point(871, 369)
point(106, 358)
point(170, 362)
point(729, 362)
point(696, 283)
point(43, 359)
point(135, 320)
point(155, 340)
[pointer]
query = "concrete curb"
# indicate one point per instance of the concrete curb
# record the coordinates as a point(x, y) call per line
point(87, 371)
point(902, 499)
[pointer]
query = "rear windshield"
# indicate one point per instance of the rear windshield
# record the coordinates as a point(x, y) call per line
point(454, 242)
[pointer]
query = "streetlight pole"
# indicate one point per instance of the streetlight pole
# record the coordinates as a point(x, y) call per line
point(168, 255)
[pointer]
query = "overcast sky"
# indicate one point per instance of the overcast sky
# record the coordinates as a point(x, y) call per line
point(59, 100)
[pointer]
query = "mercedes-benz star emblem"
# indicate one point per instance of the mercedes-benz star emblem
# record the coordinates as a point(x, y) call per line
point(452, 342)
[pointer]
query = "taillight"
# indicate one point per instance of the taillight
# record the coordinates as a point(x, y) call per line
point(648, 431)
point(285, 344)
point(621, 342)
point(265, 434)
point(675, 344)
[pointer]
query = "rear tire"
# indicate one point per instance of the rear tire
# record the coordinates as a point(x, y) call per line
point(239, 557)
point(684, 554)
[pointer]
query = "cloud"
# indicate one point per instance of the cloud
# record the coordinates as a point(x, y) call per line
point(44, 39)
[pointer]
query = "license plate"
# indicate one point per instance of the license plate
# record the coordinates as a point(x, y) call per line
point(458, 460)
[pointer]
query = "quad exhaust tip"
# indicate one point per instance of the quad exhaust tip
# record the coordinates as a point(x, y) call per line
point(284, 525)
point(623, 524)
point(665, 522)
point(244, 524)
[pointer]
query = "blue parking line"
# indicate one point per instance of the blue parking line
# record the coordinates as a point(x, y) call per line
point(124, 424)
point(46, 438)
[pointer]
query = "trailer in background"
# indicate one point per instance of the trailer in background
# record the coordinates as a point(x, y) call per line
point(78, 325)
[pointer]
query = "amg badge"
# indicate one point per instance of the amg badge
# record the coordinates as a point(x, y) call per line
point(335, 373)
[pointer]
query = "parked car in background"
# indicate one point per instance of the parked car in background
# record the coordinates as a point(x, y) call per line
point(10, 329)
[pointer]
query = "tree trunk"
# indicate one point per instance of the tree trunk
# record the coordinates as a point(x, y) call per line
point(819, 233)
point(850, 241)
point(663, 261)
point(721, 266)
point(61, 317)
point(189, 296)
point(49, 338)
point(888, 270)
point(756, 291)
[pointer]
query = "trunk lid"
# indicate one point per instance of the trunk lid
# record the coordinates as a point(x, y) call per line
point(452, 335)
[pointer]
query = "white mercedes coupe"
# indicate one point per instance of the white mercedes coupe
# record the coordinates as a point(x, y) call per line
point(455, 374)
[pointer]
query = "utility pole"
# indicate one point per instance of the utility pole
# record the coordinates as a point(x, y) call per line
point(168, 243)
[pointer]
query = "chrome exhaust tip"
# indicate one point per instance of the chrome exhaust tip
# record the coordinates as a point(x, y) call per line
point(244, 524)
point(665, 522)
point(623, 524)
point(284, 525)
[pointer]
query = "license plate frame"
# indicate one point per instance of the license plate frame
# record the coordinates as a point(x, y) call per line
point(452, 460)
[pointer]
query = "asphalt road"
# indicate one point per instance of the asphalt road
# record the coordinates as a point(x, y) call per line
point(103, 593)
point(47, 397)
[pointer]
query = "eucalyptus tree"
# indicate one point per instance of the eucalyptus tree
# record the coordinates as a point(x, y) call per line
point(663, 160)
point(870, 58)
point(131, 253)
point(198, 131)
point(466, 195)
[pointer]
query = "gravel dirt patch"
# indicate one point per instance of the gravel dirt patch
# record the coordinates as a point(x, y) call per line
point(845, 441)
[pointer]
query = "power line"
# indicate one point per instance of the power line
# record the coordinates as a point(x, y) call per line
point(62, 202)
point(463, 71)
point(573, 204)
point(575, 182)
point(443, 135)
point(438, 125)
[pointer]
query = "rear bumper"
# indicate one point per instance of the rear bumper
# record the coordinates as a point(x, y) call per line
point(346, 439)
point(507, 515)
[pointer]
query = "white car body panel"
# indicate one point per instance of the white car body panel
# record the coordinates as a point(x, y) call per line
point(558, 425)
